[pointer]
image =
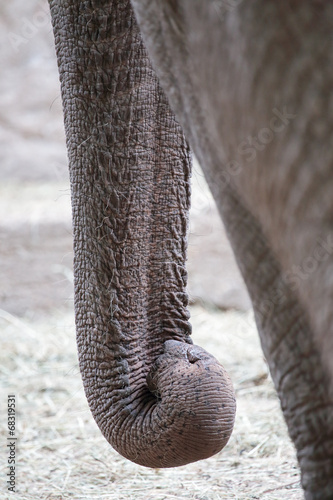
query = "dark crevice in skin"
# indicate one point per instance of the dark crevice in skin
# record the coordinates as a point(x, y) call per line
point(159, 400)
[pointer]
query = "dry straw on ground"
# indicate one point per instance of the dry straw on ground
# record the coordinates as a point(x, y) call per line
point(62, 455)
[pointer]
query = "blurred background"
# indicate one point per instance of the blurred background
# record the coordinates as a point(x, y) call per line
point(35, 225)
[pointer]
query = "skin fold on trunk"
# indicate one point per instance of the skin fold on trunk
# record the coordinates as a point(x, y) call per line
point(159, 400)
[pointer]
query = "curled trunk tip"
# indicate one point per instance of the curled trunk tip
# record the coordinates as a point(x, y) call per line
point(189, 415)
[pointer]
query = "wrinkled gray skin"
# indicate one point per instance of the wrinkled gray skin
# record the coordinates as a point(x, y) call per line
point(158, 399)
point(251, 85)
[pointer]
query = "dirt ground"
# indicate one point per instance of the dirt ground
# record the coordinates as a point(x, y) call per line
point(61, 453)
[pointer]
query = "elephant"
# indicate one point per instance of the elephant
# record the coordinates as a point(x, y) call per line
point(247, 87)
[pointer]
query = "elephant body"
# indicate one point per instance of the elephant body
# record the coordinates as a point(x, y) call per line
point(250, 84)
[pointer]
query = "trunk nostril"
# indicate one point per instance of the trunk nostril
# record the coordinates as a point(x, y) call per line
point(192, 356)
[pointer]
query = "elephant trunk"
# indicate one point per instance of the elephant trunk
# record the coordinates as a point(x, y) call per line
point(159, 400)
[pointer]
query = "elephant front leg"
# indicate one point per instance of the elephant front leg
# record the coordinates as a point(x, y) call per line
point(226, 89)
point(294, 358)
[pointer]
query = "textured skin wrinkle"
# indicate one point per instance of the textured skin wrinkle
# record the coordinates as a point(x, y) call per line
point(130, 185)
